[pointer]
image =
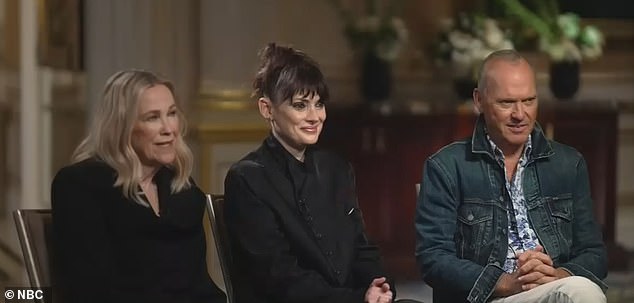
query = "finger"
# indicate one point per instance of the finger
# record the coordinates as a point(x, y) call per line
point(544, 258)
point(533, 254)
point(547, 270)
point(530, 277)
point(542, 274)
point(529, 266)
point(385, 287)
point(529, 286)
point(378, 281)
point(523, 257)
point(544, 280)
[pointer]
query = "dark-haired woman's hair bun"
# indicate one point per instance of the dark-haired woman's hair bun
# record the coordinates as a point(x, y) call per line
point(284, 72)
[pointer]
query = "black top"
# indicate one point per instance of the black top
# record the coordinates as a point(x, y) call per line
point(111, 249)
point(296, 230)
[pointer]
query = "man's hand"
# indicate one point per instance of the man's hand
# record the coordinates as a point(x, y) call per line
point(508, 285)
point(379, 291)
point(536, 268)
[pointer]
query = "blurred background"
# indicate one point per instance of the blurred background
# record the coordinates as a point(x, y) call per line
point(400, 73)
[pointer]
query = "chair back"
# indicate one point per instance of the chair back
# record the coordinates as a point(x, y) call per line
point(215, 211)
point(34, 227)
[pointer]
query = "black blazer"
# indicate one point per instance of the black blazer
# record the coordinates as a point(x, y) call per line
point(297, 247)
point(111, 249)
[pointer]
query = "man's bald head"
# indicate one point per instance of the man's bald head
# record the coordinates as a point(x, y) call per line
point(509, 56)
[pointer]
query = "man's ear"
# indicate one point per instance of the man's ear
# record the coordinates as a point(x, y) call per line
point(266, 108)
point(477, 99)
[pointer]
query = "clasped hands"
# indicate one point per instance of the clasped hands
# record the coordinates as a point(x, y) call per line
point(379, 291)
point(534, 268)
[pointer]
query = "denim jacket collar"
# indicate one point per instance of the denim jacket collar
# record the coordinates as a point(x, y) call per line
point(541, 148)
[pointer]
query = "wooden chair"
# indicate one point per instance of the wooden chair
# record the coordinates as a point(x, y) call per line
point(215, 211)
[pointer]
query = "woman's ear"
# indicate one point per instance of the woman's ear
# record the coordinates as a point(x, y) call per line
point(266, 108)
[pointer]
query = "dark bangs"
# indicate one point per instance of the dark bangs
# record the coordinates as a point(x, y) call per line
point(302, 78)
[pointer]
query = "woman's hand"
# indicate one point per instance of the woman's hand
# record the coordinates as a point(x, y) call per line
point(379, 291)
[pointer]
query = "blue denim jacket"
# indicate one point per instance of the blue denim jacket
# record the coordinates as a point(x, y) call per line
point(461, 216)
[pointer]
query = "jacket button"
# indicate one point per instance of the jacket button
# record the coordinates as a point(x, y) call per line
point(329, 253)
point(338, 272)
point(319, 236)
point(501, 198)
point(470, 217)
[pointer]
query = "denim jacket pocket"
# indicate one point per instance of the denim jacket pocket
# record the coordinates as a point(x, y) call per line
point(562, 213)
point(475, 228)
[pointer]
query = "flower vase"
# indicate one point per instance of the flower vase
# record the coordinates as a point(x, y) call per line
point(376, 78)
point(564, 79)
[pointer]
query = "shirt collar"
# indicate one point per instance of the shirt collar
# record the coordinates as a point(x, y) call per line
point(284, 158)
point(499, 155)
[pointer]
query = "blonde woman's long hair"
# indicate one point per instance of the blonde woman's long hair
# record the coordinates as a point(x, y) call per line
point(109, 138)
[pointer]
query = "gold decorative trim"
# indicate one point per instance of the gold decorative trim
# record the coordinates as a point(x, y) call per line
point(225, 100)
point(207, 135)
point(626, 199)
point(224, 133)
point(226, 94)
point(217, 105)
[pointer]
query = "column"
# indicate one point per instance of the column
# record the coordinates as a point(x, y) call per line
point(30, 167)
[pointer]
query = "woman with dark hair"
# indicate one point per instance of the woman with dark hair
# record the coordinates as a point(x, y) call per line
point(291, 210)
point(127, 217)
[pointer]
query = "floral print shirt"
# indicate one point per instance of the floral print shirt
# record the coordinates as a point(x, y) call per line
point(522, 237)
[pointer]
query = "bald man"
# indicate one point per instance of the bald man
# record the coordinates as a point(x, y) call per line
point(506, 216)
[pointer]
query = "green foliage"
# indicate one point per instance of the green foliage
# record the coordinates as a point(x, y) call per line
point(560, 35)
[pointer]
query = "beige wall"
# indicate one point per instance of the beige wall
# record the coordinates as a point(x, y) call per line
point(232, 32)
point(210, 46)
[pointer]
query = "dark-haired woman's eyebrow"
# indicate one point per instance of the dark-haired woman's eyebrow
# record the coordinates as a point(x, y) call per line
point(304, 99)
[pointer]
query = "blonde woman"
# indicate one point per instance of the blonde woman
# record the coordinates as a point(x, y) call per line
point(127, 217)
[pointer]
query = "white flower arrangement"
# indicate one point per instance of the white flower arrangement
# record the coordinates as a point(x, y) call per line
point(378, 32)
point(560, 35)
point(464, 44)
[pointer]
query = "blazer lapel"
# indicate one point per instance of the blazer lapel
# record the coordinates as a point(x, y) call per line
point(182, 210)
point(278, 179)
